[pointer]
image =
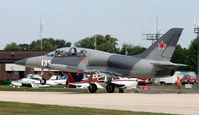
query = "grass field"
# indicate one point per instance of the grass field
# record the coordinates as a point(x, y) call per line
point(13, 108)
point(49, 89)
point(163, 88)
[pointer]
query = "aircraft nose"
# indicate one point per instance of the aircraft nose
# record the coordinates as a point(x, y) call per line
point(21, 62)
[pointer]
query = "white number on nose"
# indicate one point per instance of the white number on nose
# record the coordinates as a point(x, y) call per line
point(45, 62)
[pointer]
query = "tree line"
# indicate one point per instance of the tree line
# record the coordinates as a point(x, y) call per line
point(110, 44)
point(48, 44)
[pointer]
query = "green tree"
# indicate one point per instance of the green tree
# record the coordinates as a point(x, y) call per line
point(192, 55)
point(12, 47)
point(24, 46)
point(62, 43)
point(49, 44)
point(131, 49)
point(180, 55)
point(186, 56)
point(104, 43)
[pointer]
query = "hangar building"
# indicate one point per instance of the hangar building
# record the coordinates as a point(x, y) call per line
point(10, 71)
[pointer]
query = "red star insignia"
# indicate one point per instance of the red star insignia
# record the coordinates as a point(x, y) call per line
point(161, 45)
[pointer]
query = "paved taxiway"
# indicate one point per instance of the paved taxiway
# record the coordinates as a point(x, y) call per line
point(164, 103)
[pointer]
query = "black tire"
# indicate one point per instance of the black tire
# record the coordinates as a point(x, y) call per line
point(136, 91)
point(43, 81)
point(110, 88)
point(92, 88)
point(121, 90)
point(162, 83)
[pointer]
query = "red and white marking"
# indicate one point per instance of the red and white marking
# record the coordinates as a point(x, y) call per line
point(161, 45)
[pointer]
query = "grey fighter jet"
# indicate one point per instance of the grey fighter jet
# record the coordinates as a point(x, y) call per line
point(153, 62)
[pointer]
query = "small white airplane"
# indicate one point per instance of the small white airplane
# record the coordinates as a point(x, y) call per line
point(32, 80)
point(36, 81)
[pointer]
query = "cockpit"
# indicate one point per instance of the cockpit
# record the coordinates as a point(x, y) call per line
point(68, 51)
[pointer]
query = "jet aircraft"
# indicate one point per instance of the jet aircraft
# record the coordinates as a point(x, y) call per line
point(153, 62)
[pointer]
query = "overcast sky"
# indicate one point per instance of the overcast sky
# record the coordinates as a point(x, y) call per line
point(73, 20)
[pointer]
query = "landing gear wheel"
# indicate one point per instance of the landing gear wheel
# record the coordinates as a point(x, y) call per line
point(43, 81)
point(121, 90)
point(92, 88)
point(110, 88)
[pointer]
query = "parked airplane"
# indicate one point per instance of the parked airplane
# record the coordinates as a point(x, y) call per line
point(101, 80)
point(32, 80)
point(153, 62)
point(36, 81)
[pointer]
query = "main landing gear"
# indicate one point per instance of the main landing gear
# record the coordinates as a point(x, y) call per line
point(110, 88)
point(92, 88)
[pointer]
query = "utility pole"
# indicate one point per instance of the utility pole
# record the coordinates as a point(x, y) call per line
point(95, 42)
point(196, 27)
point(196, 30)
point(126, 49)
point(40, 33)
point(153, 37)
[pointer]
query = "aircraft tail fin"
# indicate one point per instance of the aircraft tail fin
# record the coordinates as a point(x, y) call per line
point(162, 49)
point(64, 77)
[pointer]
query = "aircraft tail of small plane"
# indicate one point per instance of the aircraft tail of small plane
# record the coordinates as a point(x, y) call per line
point(70, 78)
point(162, 49)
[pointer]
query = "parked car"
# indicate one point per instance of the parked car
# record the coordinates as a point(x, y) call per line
point(189, 80)
point(144, 80)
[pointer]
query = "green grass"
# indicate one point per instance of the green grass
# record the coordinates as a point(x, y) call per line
point(74, 90)
point(13, 108)
point(49, 89)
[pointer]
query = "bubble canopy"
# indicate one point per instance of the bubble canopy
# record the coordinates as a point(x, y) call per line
point(67, 51)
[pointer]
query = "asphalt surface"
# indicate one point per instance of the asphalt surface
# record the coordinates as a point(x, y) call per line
point(163, 103)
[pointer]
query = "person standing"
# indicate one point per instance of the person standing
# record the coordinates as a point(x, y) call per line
point(179, 83)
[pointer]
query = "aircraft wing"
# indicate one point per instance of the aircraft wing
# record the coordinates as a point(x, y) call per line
point(80, 85)
point(84, 85)
point(69, 68)
point(168, 64)
point(66, 68)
